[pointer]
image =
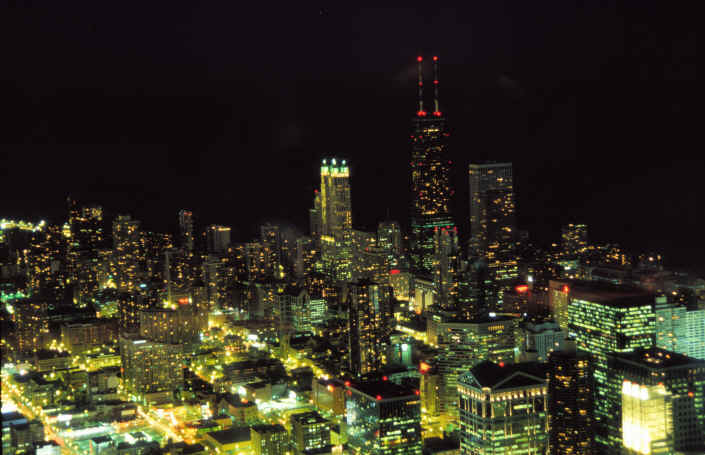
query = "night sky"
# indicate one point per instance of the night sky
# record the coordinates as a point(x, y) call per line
point(150, 107)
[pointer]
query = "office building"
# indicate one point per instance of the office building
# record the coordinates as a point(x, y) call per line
point(383, 418)
point(503, 409)
point(570, 402)
point(680, 329)
point(336, 219)
point(662, 402)
point(430, 178)
point(309, 431)
point(603, 319)
point(543, 338)
point(493, 230)
point(463, 344)
point(269, 439)
point(370, 322)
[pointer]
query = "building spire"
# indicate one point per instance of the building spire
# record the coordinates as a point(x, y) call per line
point(420, 112)
point(436, 109)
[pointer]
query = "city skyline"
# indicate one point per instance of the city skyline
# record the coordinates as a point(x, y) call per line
point(187, 138)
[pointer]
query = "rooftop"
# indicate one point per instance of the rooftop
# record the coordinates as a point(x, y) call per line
point(231, 435)
point(501, 376)
point(308, 418)
point(382, 389)
point(608, 293)
point(657, 358)
point(262, 429)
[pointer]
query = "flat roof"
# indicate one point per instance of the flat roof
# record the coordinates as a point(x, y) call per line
point(231, 435)
point(382, 388)
point(492, 375)
point(656, 358)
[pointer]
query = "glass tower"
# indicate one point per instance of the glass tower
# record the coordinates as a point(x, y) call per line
point(336, 219)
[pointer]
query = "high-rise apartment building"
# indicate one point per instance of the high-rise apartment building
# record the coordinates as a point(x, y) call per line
point(186, 230)
point(151, 371)
point(570, 402)
point(272, 242)
point(430, 178)
point(370, 322)
point(503, 409)
point(126, 252)
point(383, 418)
point(603, 319)
point(493, 220)
point(662, 402)
point(32, 324)
point(336, 219)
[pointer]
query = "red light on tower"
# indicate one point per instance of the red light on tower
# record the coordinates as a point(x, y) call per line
point(437, 113)
point(566, 289)
point(424, 367)
point(379, 397)
point(419, 59)
point(501, 364)
point(384, 378)
point(416, 392)
point(522, 288)
point(347, 383)
point(394, 272)
point(435, 58)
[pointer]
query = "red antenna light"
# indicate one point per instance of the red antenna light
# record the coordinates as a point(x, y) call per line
point(416, 392)
point(347, 383)
point(384, 378)
point(435, 58)
point(419, 59)
point(379, 397)
point(501, 364)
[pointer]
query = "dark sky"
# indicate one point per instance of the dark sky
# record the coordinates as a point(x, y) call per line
point(225, 108)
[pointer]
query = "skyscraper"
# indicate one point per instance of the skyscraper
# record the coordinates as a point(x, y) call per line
point(574, 238)
point(186, 230)
point(309, 431)
point(126, 246)
point(430, 178)
point(336, 219)
point(369, 325)
point(604, 319)
point(492, 220)
point(570, 402)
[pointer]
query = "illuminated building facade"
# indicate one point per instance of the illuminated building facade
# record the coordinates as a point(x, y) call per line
point(680, 329)
point(383, 418)
point(574, 239)
point(389, 239)
point(126, 246)
point(306, 253)
point(218, 238)
point(463, 344)
point(151, 371)
point(171, 326)
point(269, 439)
point(370, 322)
point(446, 268)
point(604, 319)
point(503, 409)
point(272, 242)
point(430, 178)
point(662, 397)
point(570, 403)
point(32, 324)
point(309, 431)
point(336, 219)
point(492, 221)
point(186, 230)
point(129, 307)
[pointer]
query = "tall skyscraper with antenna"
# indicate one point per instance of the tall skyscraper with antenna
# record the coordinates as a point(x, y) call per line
point(430, 177)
